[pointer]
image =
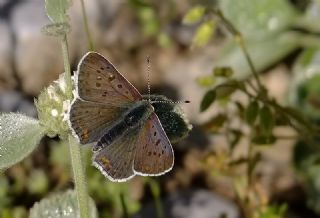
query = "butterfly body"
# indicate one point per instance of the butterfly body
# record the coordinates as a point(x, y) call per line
point(110, 112)
point(135, 116)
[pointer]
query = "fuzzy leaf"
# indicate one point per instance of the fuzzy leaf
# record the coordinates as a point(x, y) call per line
point(207, 100)
point(62, 205)
point(252, 112)
point(194, 15)
point(19, 136)
point(56, 10)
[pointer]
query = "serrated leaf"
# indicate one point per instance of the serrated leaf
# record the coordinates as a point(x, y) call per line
point(62, 205)
point(225, 72)
point(56, 10)
point(19, 136)
point(56, 29)
point(204, 33)
point(207, 100)
point(252, 112)
point(194, 15)
point(266, 120)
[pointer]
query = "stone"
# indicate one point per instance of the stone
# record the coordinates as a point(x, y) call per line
point(191, 204)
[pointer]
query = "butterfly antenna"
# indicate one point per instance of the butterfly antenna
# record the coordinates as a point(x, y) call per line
point(172, 102)
point(148, 78)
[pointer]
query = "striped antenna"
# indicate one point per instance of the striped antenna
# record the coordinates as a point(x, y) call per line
point(148, 78)
point(149, 88)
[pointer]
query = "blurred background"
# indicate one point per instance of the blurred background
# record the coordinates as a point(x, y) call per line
point(208, 179)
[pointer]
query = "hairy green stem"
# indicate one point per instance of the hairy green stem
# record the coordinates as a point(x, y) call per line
point(86, 26)
point(79, 178)
point(75, 152)
point(67, 71)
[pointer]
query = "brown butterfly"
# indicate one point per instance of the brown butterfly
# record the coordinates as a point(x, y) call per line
point(110, 111)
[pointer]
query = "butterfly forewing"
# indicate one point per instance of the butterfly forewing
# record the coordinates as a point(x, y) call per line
point(154, 153)
point(99, 81)
point(90, 119)
point(115, 161)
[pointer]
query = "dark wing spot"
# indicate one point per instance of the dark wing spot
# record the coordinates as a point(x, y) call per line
point(98, 85)
point(119, 86)
point(154, 153)
point(111, 77)
point(149, 153)
point(158, 141)
point(155, 133)
point(162, 152)
point(98, 71)
point(101, 68)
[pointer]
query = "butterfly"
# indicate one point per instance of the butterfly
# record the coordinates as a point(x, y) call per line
point(110, 112)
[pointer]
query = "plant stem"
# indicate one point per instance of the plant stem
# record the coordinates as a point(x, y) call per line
point(67, 71)
point(239, 39)
point(124, 206)
point(155, 190)
point(86, 26)
point(79, 178)
point(75, 152)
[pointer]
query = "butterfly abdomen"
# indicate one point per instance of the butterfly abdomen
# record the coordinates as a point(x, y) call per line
point(137, 114)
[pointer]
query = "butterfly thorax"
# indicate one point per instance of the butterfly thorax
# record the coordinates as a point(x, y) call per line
point(133, 117)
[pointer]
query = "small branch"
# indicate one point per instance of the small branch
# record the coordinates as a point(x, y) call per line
point(124, 206)
point(86, 26)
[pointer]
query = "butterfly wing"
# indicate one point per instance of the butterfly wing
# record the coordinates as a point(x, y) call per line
point(88, 120)
point(99, 81)
point(154, 153)
point(115, 160)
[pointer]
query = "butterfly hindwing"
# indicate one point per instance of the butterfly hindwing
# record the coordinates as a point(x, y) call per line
point(99, 81)
point(89, 119)
point(154, 153)
point(115, 161)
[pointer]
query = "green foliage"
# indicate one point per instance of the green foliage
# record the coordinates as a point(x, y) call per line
point(204, 33)
point(56, 10)
point(274, 211)
point(207, 99)
point(252, 112)
point(60, 206)
point(194, 15)
point(19, 136)
point(266, 120)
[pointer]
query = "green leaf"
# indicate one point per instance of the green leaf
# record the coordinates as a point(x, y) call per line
point(266, 120)
point(62, 205)
point(225, 72)
point(207, 100)
point(19, 136)
point(206, 81)
point(56, 10)
point(194, 15)
point(226, 89)
point(252, 112)
point(56, 29)
point(215, 123)
point(204, 33)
